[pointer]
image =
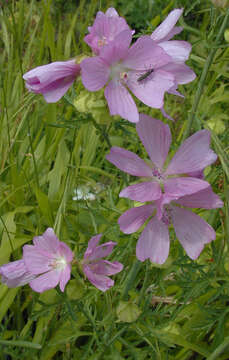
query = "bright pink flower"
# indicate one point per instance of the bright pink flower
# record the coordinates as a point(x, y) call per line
point(191, 230)
point(192, 156)
point(52, 80)
point(49, 260)
point(95, 268)
point(121, 67)
point(15, 274)
point(105, 28)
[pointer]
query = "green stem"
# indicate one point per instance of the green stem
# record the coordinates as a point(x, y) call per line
point(219, 350)
point(131, 278)
point(201, 83)
point(33, 155)
point(59, 214)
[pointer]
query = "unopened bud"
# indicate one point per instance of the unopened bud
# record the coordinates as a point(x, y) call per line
point(226, 35)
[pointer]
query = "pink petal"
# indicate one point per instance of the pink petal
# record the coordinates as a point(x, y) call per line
point(111, 12)
point(134, 218)
point(182, 73)
point(167, 25)
point(205, 199)
point(153, 243)
point(46, 74)
point(193, 155)
point(65, 277)
point(144, 54)
point(36, 261)
point(117, 49)
point(178, 50)
point(104, 267)
point(66, 252)
point(102, 282)
point(48, 242)
point(198, 174)
point(120, 102)
point(192, 231)
point(15, 274)
point(184, 186)
point(55, 92)
point(176, 30)
point(95, 73)
point(152, 89)
point(145, 191)
point(101, 251)
point(46, 281)
point(156, 138)
point(93, 242)
point(128, 162)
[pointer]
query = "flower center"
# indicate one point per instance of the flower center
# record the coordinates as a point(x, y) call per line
point(102, 42)
point(59, 263)
point(119, 72)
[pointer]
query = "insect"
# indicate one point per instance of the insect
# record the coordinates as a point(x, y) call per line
point(144, 76)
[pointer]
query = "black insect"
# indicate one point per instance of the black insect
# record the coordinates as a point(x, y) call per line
point(144, 76)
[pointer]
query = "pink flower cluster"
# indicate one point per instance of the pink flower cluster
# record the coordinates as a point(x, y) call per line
point(47, 263)
point(169, 187)
point(148, 68)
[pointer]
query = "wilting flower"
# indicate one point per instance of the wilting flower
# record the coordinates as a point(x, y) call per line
point(180, 177)
point(95, 268)
point(43, 266)
point(191, 230)
point(121, 67)
point(52, 80)
point(15, 274)
point(105, 28)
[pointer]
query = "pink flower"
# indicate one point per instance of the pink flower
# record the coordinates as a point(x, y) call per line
point(15, 274)
point(52, 80)
point(192, 157)
point(121, 67)
point(50, 259)
point(104, 30)
point(43, 266)
point(178, 51)
point(95, 268)
point(191, 230)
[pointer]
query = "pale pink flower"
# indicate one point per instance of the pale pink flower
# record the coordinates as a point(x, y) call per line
point(179, 177)
point(119, 67)
point(15, 274)
point(52, 80)
point(50, 260)
point(178, 50)
point(105, 28)
point(95, 268)
point(191, 230)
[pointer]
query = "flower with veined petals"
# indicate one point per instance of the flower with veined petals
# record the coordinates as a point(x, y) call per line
point(95, 268)
point(178, 50)
point(52, 80)
point(43, 266)
point(191, 158)
point(191, 230)
point(15, 274)
point(105, 28)
point(121, 67)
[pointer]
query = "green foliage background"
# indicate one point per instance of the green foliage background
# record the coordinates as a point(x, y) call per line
point(175, 311)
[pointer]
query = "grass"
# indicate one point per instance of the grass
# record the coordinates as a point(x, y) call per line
point(175, 311)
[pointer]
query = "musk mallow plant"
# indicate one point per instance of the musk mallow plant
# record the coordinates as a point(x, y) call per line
point(167, 186)
point(144, 69)
point(149, 68)
point(48, 262)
